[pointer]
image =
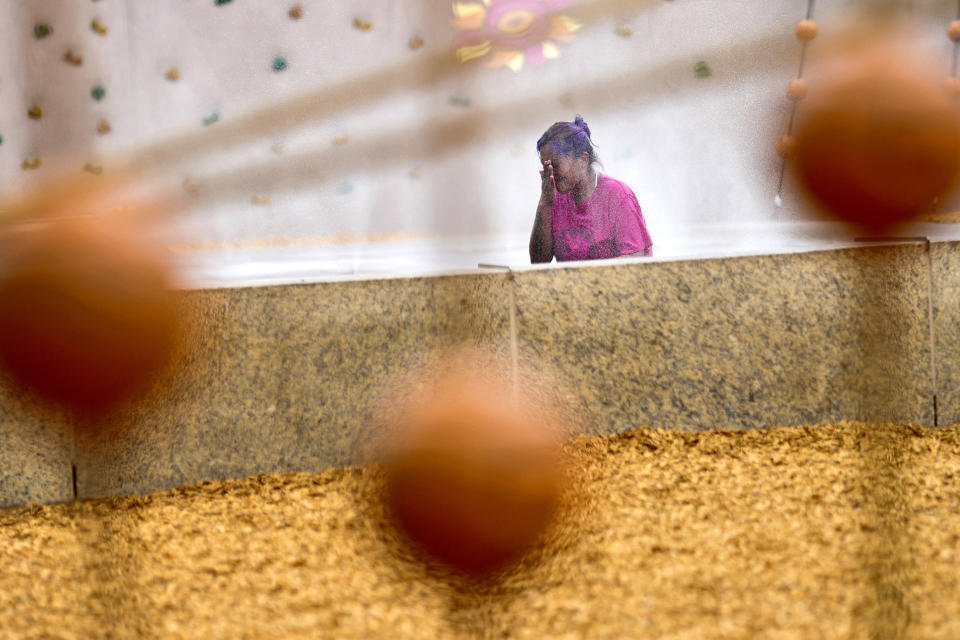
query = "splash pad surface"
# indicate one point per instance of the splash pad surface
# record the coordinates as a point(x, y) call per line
point(829, 531)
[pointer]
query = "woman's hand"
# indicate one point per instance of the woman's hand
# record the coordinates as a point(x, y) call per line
point(548, 184)
point(541, 238)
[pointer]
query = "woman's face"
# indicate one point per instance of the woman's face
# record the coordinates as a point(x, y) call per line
point(568, 172)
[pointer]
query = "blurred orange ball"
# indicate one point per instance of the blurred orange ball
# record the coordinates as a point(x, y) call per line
point(877, 140)
point(474, 478)
point(86, 318)
point(953, 30)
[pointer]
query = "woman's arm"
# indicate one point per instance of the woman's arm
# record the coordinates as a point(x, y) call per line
point(541, 238)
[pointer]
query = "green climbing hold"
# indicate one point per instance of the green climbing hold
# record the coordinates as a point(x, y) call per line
point(279, 63)
point(98, 93)
point(220, 2)
point(209, 120)
point(701, 69)
point(42, 30)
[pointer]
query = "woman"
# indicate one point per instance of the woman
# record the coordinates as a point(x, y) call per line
point(582, 214)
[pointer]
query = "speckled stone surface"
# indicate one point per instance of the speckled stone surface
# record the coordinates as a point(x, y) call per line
point(284, 378)
point(737, 343)
point(35, 464)
point(945, 262)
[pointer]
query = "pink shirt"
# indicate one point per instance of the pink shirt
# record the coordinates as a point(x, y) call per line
point(607, 225)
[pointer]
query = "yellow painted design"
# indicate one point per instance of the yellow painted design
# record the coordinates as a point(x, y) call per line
point(467, 9)
point(468, 16)
point(473, 51)
point(563, 27)
point(501, 58)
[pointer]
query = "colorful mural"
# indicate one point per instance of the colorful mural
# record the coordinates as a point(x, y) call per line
point(510, 33)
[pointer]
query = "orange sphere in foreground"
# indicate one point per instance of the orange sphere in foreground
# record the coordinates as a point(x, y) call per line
point(953, 30)
point(474, 478)
point(86, 320)
point(877, 142)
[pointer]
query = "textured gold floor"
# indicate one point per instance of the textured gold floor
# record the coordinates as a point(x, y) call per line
point(839, 531)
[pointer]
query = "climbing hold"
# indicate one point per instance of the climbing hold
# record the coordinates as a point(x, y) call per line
point(797, 89)
point(72, 58)
point(807, 30)
point(786, 146)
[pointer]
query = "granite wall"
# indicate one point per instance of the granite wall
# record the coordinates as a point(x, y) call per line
point(286, 378)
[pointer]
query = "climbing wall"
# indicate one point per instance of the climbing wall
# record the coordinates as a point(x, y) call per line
point(417, 124)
